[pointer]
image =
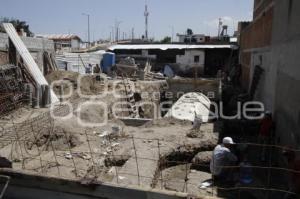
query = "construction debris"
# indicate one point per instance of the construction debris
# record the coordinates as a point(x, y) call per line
point(29, 62)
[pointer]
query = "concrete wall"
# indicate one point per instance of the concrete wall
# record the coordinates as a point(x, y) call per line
point(265, 89)
point(209, 87)
point(285, 60)
point(26, 186)
point(33, 44)
point(188, 59)
point(36, 47)
point(75, 44)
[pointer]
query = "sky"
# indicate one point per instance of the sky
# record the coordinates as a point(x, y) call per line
point(66, 16)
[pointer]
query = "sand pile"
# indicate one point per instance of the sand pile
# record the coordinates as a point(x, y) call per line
point(92, 113)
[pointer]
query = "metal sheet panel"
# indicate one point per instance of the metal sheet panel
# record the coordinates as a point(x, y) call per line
point(166, 46)
point(30, 64)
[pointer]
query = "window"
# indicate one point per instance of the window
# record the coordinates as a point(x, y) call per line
point(196, 59)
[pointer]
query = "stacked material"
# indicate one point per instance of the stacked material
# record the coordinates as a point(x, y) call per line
point(127, 66)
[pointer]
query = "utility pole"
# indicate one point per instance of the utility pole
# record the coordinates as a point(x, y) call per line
point(146, 14)
point(117, 33)
point(88, 18)
point(172, 36)
point(132, 34)
point(112, 33)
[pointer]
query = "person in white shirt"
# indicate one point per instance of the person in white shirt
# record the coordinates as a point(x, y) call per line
point(222, 156)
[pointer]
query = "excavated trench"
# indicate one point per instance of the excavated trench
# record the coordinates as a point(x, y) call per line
point(178, 164)
point(117, 161)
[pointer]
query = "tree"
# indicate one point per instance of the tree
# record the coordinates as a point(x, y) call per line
point(18, 24)
point(166, 40)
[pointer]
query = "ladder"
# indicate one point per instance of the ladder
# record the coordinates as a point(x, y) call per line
point(134, 110)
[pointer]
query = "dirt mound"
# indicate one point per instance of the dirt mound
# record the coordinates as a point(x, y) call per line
point(92, 113)
point(174, 177)
point(60, 75)
point(59, 139)
point(87, 83)
point(201, 160)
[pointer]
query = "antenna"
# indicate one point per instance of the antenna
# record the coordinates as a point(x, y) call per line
point(146, 14)
point(132, 33)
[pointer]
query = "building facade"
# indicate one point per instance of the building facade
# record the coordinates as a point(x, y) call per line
point(185, 60)
point(194, 38)
point(272, 41)
point(64, 42)
point(36, 47)
point(255, 48)
point(285, 71)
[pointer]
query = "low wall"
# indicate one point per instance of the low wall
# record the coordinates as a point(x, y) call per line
point(33, 44)
point(209, 87)
point(27, 186)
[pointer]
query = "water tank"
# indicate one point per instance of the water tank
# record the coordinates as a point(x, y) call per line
point(108, 60)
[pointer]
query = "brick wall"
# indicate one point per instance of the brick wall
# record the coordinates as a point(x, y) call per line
point(260, 6)
point(257, 35)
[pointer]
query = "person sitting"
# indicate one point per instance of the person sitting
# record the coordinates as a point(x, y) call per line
point(222, 157)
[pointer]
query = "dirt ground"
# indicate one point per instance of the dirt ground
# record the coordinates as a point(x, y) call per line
point(153, 155)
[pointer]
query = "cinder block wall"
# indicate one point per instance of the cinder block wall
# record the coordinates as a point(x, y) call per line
point(36, 47)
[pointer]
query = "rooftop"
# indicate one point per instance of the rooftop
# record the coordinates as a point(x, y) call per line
point(167, 46)
point(59, 36)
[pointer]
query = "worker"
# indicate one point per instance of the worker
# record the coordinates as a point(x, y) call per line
point(88, 69)
point(265, 131)
point(97, 69)
point(222, 156)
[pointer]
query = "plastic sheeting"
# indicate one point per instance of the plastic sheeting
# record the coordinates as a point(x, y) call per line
point(189, 106)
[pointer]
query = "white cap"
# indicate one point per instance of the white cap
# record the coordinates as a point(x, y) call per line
point(228, 140)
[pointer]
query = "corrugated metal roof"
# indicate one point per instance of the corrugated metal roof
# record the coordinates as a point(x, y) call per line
point(30, 64)
point(166, 46)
